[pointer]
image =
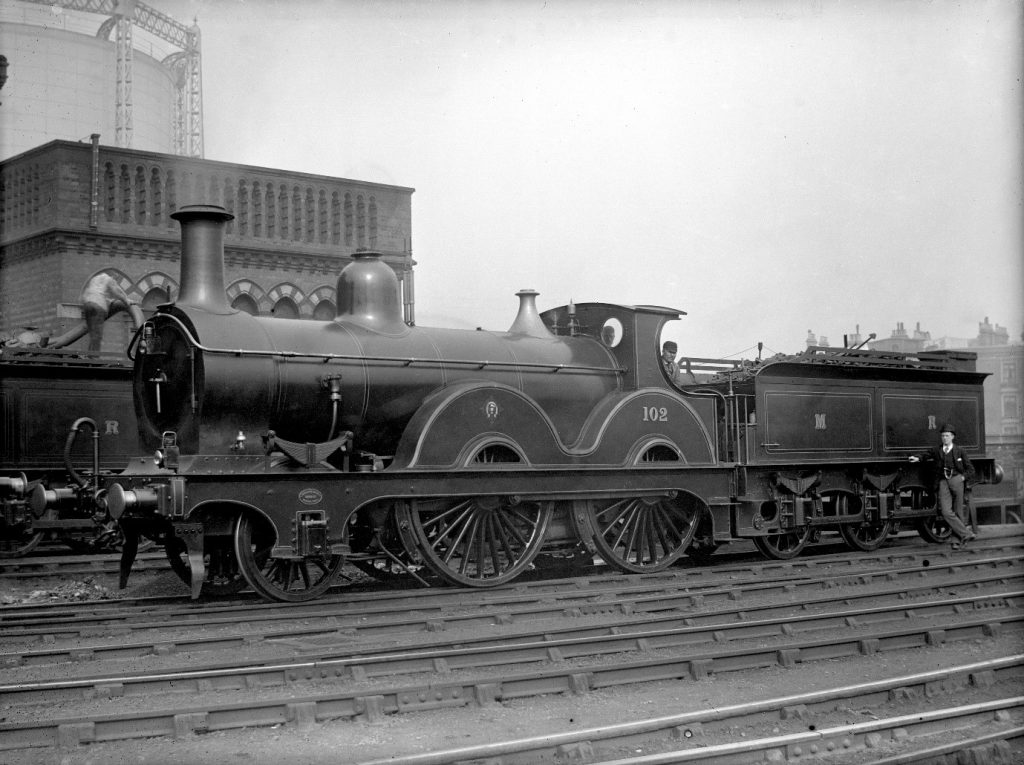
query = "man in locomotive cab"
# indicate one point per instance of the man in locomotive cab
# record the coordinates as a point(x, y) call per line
point(668, 359)
point(953, 474)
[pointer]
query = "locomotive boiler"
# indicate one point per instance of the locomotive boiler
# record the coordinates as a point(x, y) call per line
point(283, 448)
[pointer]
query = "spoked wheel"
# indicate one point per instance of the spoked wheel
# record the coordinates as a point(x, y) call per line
point(641, 534)
point(934, 530)
point(865, 536)
point(783, 546)
point(859, 535)
point(477, 541)
point(223, 576)
point(293, 579)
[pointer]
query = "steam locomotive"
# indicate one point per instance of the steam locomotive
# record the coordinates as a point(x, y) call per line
point(283, 448)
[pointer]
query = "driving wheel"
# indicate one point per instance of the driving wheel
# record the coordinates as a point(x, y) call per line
point(477, 541)
point(640, 534)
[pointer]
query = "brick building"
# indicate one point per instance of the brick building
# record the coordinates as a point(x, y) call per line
point(70, 210)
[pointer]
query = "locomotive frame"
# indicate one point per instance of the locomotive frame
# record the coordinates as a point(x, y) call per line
point(466, 455)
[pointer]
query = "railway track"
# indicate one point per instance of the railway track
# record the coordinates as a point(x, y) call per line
point(368, 659)
point(390, 615)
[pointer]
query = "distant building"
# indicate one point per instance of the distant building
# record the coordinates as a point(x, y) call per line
point(69, 211)
point(901, 342)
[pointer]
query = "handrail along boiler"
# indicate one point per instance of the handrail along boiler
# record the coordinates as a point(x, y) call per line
point(286, 447)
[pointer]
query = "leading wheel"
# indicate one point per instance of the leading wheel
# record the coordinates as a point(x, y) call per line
point(783, 546)
point(291, 579)
point(477, 541)
point(222, 574)
point(640, 534)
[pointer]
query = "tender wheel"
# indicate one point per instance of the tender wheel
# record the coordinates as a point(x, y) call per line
point(783, 546)
point(858, 535)
point(641, 534)
point(20, 543)
point(222, 574)
point(934, 530)
point(477, 541)
point(864, 536)
point(293, 580)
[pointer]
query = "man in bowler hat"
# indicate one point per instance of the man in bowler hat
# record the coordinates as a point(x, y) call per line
point(952, 474)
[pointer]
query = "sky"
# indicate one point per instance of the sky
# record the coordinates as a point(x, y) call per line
point(769, 167)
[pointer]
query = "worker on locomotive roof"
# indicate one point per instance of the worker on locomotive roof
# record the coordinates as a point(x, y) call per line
point(952, 474)
point(668, 359)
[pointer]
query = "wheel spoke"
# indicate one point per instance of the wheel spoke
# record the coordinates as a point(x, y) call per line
point(493, 543)
point(508, 523)
point(500, 543)
point(441, 520)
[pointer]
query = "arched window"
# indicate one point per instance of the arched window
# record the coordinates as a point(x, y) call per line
point(322, 217)
point(140, 195)
point(229, 204)
point(242, 218)
point(360, 221)
point(172, 197)
point(257, 209)
point(110, 193)
point(310, 217)
point(373, 223)
point(325, 311)
point(247, 304)
point(271, 211)
point(282, 198)
point(155, 297)
point(156, 200)
point(335, 219)
point(126, 195)
point(285, 308)
point(348, 219)
point(296, 214)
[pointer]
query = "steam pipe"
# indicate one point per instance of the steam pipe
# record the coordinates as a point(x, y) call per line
point(202, 257)
point(69, 442)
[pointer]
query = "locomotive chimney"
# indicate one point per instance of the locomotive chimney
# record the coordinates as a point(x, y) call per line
point(528, 321)
point(202, 257)
point(368, 294)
